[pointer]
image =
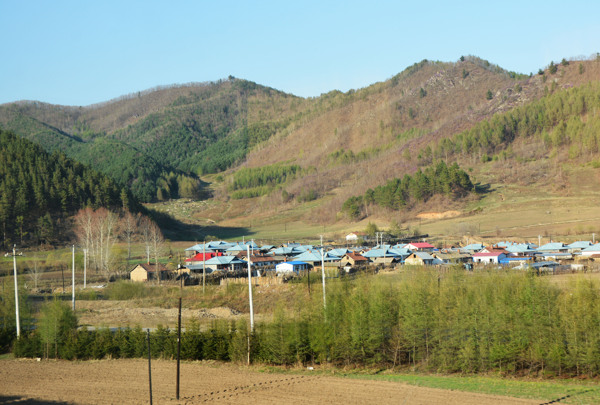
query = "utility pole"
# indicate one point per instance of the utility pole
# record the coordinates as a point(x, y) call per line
point(178, 350)
point(84, 268)
point(250, 300)
point(204, 267)
point(250, 290)
point(73, 279)
point(323, 276)
point(16, 291)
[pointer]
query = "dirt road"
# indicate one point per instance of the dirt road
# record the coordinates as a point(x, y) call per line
point(126, 382)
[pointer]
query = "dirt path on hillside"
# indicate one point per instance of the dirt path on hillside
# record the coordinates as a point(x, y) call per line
point(126, 382)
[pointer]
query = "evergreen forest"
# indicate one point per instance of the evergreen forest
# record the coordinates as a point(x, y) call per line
point(39, 191)
point(449, 181)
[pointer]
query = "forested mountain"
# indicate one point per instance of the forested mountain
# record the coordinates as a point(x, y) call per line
point(39, 190)
point(157, 142)
point(287, 150)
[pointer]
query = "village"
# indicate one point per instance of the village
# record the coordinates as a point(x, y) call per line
point(223, 261)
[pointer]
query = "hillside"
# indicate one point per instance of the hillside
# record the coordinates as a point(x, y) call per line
point(364, 138)
point(147, 140)
point(285, 159)
point(38, 191)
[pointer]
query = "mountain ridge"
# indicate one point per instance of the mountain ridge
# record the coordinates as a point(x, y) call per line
point(344, 142)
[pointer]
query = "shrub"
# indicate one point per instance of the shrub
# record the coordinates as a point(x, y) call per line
point(126, 290)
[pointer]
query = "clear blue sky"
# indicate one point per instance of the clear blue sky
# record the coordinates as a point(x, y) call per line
point(83, 52)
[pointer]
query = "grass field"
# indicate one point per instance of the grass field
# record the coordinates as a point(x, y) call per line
point(559, 391)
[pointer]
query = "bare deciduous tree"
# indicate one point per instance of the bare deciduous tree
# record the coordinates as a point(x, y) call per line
point(34, 272)
point(97, 232)
point(129, 227)
point(157, 240)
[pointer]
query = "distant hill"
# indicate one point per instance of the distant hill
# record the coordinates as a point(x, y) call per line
point(38, 191)
point(157, 142)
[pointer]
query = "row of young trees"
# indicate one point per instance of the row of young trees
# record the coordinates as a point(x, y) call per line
point(396, 194)
point(270, 175)
point(441, 321)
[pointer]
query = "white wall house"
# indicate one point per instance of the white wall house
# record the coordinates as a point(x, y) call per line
point(493, 257)
point(292, 267)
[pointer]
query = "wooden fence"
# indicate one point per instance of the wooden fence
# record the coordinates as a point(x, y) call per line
point(255, 280)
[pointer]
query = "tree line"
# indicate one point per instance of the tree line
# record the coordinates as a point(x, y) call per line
point(564, 119)
point(256, 181)
point(400, 193)
point(444, 321)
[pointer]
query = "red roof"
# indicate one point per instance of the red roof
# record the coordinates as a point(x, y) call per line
point(421, 245)
point(492, 254)
point(356, 257)
point(200, 256)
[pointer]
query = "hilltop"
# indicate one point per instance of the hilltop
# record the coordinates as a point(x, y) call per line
point(271, 158)
point(157, 142)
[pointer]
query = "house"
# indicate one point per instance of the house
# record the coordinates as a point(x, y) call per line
point(489, 257)
point(294, 267)
point(259, 261)
point(287, 251)
point(474, 247)
point(212, 246)
point(451, 257)
point(578, 246)
point(340, 252)
point(226, 263)
point(419, 246)
point(521, 249)
point(553, 247)
point(590, 251)
point(373, 254)
point(494, 249)
point(147, 272)
point(555, 256)
point(314, 258)
point(353, 259)
point(419, 259)
point(353, 237)
point(200, 257)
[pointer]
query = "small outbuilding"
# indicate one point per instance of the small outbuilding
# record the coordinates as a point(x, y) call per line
point(148, 272)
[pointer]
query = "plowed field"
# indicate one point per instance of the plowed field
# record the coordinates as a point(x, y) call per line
point(126, 382)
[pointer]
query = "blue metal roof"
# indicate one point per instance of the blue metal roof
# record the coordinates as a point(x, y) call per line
point(474, 246)
point(553, 246)
point(582, 244)
point(315, 257)
point(224, 260)
point(593, 248)
point(380, 253)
